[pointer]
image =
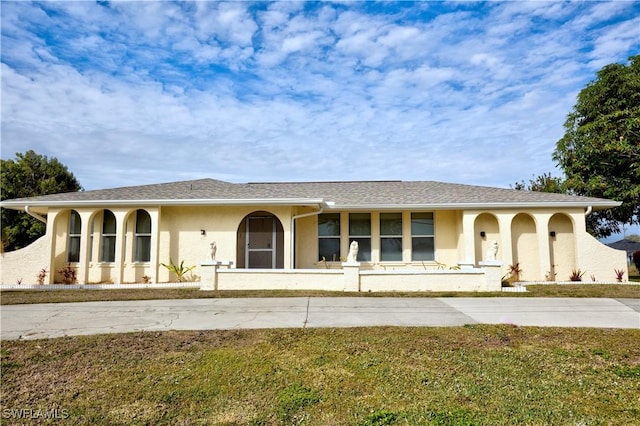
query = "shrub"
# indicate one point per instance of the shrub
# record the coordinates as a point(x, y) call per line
point(576, 275)
point(512, 276)
point(619, 274)
point(41, 276)
point(179, 270)
point(68, 274)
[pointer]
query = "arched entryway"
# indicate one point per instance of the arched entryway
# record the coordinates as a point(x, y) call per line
point(562, 247)
point(486, 230)
point(260, 241)
point(524, 244)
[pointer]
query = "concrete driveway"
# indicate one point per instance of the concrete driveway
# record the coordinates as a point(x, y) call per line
point(67, 319)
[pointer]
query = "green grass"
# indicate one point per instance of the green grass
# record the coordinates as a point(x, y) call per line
point(13, 297)
point(472, 375)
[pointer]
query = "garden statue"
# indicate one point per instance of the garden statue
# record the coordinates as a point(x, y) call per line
point(492, 251)
point(353, 252)
point(212, 251)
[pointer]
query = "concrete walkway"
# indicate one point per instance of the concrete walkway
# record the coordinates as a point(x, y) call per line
point(67, 319)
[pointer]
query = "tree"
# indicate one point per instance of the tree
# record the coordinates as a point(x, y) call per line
point(543, 183)
point(29, 175)
point(600, 150)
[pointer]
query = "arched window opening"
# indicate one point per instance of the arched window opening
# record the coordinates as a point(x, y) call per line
point(108, 241)
point(75, 231)
point(142, 243)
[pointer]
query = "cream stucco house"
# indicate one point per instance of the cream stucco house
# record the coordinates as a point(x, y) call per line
point(297, 235)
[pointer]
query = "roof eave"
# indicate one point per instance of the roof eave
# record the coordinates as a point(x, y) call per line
point(600, 205)
point(19, 205)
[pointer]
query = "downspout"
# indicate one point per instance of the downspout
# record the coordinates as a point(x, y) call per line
point(35, 215)
point(589, 210)
point(293, 232)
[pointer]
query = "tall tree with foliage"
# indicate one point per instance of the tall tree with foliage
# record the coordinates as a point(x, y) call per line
point(29, 175)
point(600, 150)
point(543, 183)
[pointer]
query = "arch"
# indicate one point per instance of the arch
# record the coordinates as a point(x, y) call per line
point(524, 246)
point(108, 237)
point(486, 223)
point(60, 243)
point(260, 241)
point(74, 237)
point(142, 236)
point(562, 246)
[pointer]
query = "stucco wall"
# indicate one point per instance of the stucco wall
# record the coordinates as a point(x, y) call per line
point(306, 240)
point(283, 279)
point(25, 264)
point(447, 226)
point(435, 280)
point(562, 247)
point(599, 260)
point(181, 237)
point(352, 278)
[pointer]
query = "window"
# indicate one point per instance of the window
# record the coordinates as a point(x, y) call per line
point(422, 247)
point(108, 241)
point(360, 231)
point(142, 248)
point(329, 237)
point(390, 236)
point(75, 230)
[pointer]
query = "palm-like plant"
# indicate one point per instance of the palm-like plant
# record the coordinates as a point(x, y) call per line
point(179, 270)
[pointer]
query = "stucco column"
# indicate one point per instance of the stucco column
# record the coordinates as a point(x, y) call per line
point(492, 275)
point(580, 232)
point(155, 243)
point(505, 251)
point(469, 242)
point(542, 227)
point(120, 246)
point(351, 272)
point(287, 253)
point(85, 243)
point(406, 237)
point(209, 275)
point(51, 242)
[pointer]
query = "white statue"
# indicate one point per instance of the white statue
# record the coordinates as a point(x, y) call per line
point(212, 251)
point(492, 251)
point(353, 252)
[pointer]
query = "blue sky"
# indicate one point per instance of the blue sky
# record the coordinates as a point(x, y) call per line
point(147, 91)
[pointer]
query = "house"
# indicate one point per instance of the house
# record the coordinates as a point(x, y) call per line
point(409, 233)
point(628, 246)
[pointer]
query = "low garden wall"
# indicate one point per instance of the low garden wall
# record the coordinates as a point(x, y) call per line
point(351, 278)
point(32, 258)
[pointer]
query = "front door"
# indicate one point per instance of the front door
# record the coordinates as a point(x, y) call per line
point(260, 247)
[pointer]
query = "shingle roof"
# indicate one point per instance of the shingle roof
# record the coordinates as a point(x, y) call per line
point(627, 245)
point(354, 194)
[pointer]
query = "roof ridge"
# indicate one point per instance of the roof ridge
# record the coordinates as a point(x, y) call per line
point(326, 181)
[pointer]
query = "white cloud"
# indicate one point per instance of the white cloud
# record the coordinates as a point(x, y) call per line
point(143, 92)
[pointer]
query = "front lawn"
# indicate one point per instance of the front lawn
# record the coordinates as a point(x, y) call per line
point(12, 297)
point(472, 375)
